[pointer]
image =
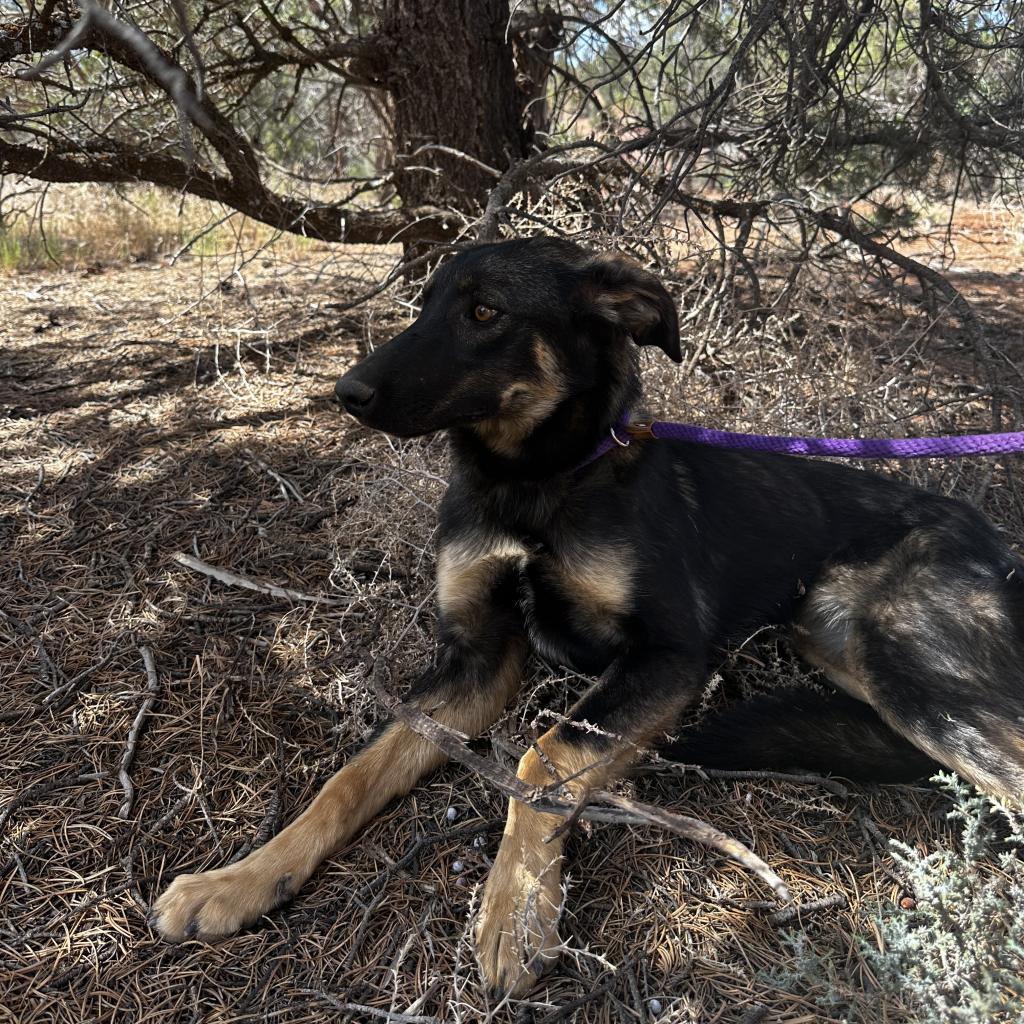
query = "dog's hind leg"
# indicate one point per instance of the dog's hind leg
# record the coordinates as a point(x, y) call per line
point(931, 635)
point(802, 729)
point(636, 698)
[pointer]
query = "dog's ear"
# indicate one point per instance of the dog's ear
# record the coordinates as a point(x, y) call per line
point(624, 294)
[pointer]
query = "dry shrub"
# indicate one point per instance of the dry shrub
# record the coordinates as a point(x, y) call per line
point(953, 952)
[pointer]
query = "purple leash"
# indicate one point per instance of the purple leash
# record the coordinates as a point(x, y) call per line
point(844, 447)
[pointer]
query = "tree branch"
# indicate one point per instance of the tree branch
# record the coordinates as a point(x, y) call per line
point(25, 36)
point(328, 222)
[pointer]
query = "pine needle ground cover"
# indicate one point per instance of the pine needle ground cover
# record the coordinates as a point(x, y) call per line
point(158, 410)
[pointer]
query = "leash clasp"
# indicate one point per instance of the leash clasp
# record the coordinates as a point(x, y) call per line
point(634, 432)
point(641, 431)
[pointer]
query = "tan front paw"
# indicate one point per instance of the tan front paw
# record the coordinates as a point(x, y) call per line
point(217, 903)
point(517, 928)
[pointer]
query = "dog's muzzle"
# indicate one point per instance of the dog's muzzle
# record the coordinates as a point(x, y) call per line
point(354, 395)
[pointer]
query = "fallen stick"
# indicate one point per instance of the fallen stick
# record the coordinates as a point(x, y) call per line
point(38, 789)
point(288, 489)
point(798, 910)
point(661, 767)
point(623, 810)
point(369, 1011)
point(152, 689)
point(234, 580)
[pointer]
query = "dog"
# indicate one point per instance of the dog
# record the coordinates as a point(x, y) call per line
point(637, 567)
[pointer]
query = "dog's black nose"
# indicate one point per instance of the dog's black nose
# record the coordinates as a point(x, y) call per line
point(354, 395)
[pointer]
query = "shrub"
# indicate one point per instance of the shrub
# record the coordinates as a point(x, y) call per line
point(951, 953)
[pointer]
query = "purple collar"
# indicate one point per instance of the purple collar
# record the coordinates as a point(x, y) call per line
point(844, 447)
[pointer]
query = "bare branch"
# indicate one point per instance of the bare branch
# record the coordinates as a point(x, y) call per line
point(152, 689)
point(329, 222)
point(621, 810)
point(232, 579)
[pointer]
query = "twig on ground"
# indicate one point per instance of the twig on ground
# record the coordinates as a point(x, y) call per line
point(420, 844)
point(46, 786)
point(271, 820)
point(623, 810)
point(729, 774)
point(372, 1011)
point(754, 1015)
point(272, 815)
point(60, 697)
point(152, 689)
point(569, 1009)
point(232, 579)
point(375, 887)
point(166, 817)
point(56, 925)
point(287, 487)
point(786, 914)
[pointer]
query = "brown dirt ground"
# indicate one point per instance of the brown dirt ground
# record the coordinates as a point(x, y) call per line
point(150, 409)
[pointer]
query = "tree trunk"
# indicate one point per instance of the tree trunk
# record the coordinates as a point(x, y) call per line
point(452, 81)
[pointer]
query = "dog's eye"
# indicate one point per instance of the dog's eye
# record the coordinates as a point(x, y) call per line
point(483, 313)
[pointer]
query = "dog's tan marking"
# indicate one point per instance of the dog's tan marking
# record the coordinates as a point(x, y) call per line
point(990, 758)
point(599, 583)
point(985, 609)
point(467, 567)
point(970, 753)
point(525, 403)
point(516, 931)
point(217, 903)
point(600, 579)
point(822, 652)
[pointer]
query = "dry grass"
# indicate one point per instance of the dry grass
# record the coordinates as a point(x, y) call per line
point(138, 422)
point(93, 226)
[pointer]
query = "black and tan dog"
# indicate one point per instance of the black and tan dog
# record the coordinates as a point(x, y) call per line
point(639, 566)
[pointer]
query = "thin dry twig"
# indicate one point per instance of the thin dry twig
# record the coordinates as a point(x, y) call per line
point(371, 1011)
point(833, 786)
point(623, 810)
point(152, 689)
point(232, 579)
point(786, 914)
point(43, 787)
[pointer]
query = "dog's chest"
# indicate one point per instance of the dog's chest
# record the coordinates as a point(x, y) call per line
point(575, 603)
point(574, 597)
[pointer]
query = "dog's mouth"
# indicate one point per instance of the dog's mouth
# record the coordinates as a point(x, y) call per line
point(473, 417)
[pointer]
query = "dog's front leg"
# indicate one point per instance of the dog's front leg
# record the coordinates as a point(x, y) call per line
point(638, 697)
point(474, 678)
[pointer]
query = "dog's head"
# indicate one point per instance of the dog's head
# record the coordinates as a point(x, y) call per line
point(508, 334)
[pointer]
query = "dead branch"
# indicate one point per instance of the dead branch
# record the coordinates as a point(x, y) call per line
point(232, 579)
point(622, 810)
point(329, 222)
point(799, 778)
point(46, 786)
point(372, 1012)
point(152, 689)
point(837, 901)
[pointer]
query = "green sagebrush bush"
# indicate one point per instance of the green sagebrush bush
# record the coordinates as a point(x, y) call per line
point(957, 955)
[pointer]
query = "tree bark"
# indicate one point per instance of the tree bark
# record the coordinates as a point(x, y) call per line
point(449, 70)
